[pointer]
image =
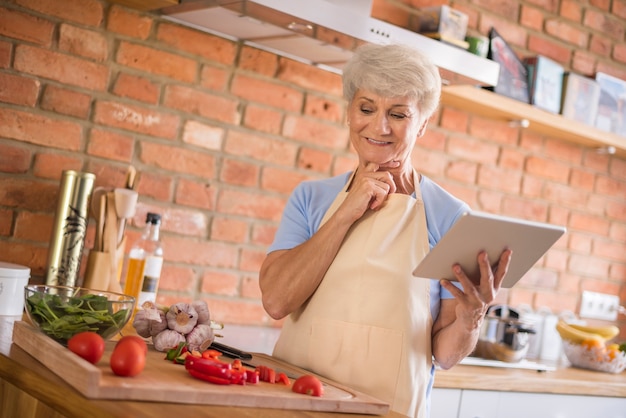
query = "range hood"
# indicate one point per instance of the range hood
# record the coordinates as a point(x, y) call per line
point(323, 33)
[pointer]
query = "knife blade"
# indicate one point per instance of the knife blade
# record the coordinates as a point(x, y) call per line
point(231, 352)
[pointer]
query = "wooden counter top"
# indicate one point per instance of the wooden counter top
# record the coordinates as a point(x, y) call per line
point(566, 381)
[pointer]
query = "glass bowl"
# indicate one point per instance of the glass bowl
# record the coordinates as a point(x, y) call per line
point(61, 312)
point(595, 358)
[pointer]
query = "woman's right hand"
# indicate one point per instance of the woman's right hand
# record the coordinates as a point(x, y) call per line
point(369, 190)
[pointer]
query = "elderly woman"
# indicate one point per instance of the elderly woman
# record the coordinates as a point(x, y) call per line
point(341, 264)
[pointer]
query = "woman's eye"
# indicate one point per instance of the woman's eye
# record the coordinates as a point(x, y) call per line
point(398, 115)
point(366, 111)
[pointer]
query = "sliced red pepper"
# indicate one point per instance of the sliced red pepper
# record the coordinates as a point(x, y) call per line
point(282, 378)
point(208, 378)
point(238, 377)
point(208, 366)
point(252, 376)
point(210, 353)
point(237, 364)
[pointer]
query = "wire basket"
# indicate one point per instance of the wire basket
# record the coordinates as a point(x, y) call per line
point(595, 358)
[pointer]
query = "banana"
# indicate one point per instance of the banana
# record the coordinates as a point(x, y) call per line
point(574, 335)
point(607, 332)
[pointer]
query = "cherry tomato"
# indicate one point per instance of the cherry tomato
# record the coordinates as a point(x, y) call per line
point(87, 345)
point(308, 385)
point(128, 359)
point(135, 339)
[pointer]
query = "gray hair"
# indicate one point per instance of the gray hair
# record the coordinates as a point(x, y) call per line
point(393, 71)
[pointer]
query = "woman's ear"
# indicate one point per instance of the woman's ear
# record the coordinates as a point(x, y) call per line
point(422, 130)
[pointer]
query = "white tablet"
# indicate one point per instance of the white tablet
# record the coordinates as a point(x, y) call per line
point(478, 231)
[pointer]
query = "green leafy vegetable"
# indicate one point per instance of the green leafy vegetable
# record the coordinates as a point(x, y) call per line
point(61, 317)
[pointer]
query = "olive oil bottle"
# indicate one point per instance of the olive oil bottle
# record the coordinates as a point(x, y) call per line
point(145, 261)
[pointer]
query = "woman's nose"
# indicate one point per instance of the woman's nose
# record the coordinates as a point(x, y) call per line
point(381, 124)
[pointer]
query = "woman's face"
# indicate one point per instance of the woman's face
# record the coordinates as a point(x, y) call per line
point(384, 129)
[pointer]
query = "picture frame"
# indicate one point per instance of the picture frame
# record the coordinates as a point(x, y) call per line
point(513, 79)
point(611, 115)
point(545, 83)
point(581, 96)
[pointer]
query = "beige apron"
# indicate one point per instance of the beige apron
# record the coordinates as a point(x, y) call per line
point(368, 324)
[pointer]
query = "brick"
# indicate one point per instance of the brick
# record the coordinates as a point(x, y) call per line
point(532, 18)
point(583, 62)
point(239, 173)
point(214, 78)
point(239, 312)
point(311, 131)
point(516, 36)
point(324, 108)
point(204, 253)
point(259, 61)
point(183, 221)
point(581, 180)
point(494, 130)
point(229, 230)
point(567, 32)
point(138, 119)
point(525, 209)
point(432, 140)
point(61, 67)
point(564, 151)
point(472, 149)
point(198, 43)
point(548, 48)
point(454, 119)
point(267, 92)
point(204, 136)
point(557, 301)
point(32, 255)
point(87, 12)
point(263, 235)
point(110, 145)
point(390, 13)
point(109, 174)
point(251, 260)
point(129, 22)
point(15, 160)
point(608, 186)
point(30, 195)
point(309, 77)
point(250, 288)
point(251, 204)
point(609, 250)
point(495, 178)
point(201, 103)
point(281, 180)
point(66, 102)
point(601, 4)
point(83, 42)
point(178, 160)
point(219, 283)
point(157, 62)
point(39, 130)
point(548, 169)
point(31, 226)
point(18, 90)
point(604, 23)
point(512, 159)
point(532, 187)
point(464, 171)
point(593, 224)
point(343, 164)
point(619, 9)
point(600, 46)
point(260, 148)
point(314, 159)
point(264, 119)
point(619, 53)
point(616, 210)
point(589, 266)
point(156, 186)
point(572, 10)
point(49, 165)
point(25, 27)
point(500, 8)
point(195, 194)
point(137, 88)
point(178, 279)
point(5, 54)
point(617, 169)
point(6, 222)
point(564, 194)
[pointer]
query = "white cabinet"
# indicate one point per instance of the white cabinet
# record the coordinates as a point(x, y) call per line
point(457, 403)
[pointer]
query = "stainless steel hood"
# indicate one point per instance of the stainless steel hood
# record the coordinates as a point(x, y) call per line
point(323, 33)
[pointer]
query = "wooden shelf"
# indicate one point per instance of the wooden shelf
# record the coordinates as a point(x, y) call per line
point(145, 4)
point(486, 103)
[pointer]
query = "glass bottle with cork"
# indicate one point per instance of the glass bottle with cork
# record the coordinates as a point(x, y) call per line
point(144, 263)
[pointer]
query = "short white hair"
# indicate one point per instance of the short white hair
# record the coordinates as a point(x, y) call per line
point(393, 71)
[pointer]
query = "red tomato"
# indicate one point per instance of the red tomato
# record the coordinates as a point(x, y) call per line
point(87, 345)
point(128, 359)
point(308, 385)
point(136, 339)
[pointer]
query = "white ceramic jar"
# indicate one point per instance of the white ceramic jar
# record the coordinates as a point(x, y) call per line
point(13, 279)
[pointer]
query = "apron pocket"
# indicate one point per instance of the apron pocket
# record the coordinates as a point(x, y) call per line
point(362, 357)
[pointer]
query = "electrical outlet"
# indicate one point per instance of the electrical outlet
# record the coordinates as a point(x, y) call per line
point(599, 306)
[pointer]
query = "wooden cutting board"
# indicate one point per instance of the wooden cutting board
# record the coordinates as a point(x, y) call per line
point(164, 381)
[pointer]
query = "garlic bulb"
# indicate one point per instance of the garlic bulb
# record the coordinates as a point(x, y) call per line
point(167, 339)
point(182, 317)
point(204, 316)
point(200, 338)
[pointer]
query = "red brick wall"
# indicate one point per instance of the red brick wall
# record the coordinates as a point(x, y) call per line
point(221, 133)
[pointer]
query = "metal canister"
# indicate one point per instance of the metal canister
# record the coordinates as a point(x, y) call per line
point(70, 227)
